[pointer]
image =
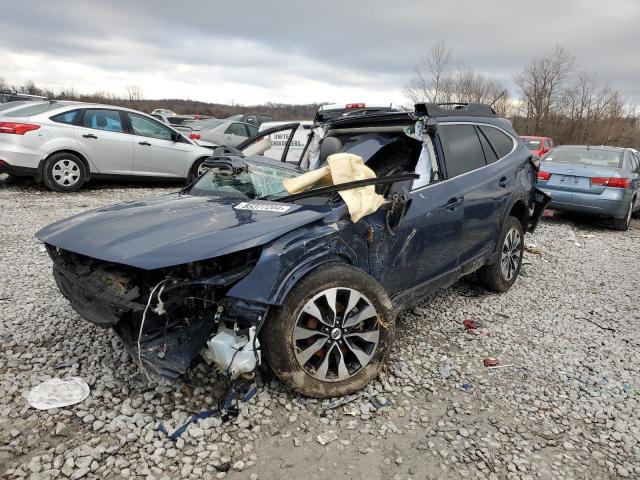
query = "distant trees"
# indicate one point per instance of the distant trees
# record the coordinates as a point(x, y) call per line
point(441, 77)
point(134, 93)
point(571, 105)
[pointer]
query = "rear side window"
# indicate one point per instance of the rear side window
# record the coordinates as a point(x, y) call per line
point(33, 109)
point(101, 119)
point(236, 129)
point(489, 152)
point(501, 142)
point(463, 151)
point(66, 117)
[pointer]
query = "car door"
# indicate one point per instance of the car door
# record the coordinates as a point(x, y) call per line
point(156, 153)
point(104, 140)
point(235, 134)
point(425, 246)
point(484, 183)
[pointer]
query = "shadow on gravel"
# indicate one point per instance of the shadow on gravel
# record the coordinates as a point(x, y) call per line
point(28, 185)
point(588, 222)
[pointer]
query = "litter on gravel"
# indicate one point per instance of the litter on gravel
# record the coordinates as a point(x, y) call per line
point(58, 393)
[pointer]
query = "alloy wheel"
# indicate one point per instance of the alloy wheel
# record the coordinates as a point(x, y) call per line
point(202, 169)
point(66, 172)
point(511, 249)
point(336, 334)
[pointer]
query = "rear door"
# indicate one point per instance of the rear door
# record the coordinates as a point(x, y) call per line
point(156, 153)
point(235, 134)
point(104, 140)
point(426, 244)
point(476, 159)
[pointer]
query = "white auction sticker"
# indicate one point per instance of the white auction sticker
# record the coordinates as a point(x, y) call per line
point(263, 207)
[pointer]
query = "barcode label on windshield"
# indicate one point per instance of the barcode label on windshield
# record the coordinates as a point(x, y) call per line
point(263, 207)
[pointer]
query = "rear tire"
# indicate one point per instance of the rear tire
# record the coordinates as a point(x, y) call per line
point(622, 224)
point(64, 172)
point(322, 355)
point(500, 275)
point(196, 170)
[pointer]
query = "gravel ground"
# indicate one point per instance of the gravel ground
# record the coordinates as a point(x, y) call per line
point(564, 404)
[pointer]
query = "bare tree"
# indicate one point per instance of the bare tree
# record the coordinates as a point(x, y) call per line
point(541, 83)
point(441, 77)
point(4, 86)
point(134, 93)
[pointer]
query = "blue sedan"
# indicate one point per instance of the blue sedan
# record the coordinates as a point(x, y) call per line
point(593, 180)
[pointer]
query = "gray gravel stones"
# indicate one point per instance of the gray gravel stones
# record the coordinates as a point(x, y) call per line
point(567, 408)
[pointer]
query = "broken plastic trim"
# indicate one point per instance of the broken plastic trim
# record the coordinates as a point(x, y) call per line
point(349, 185)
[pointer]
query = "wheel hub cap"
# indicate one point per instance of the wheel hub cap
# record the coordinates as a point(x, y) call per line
point(65, 172)
point(511, 250)
point(336, 334)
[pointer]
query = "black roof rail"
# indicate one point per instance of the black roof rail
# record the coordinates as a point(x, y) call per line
point(455, 110)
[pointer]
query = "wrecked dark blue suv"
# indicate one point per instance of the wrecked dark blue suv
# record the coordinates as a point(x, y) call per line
point(234, 267)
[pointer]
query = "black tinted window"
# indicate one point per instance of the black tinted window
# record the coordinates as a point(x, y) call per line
point(489, 152)
point(103, 120)
point(66, 117)
point(501, 142)
point(463, 152)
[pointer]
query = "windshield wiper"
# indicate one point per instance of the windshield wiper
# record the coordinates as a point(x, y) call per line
point(349, 185)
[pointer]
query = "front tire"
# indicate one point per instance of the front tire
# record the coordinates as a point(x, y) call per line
point(333, 333)
point(64, 172)
point(502, 273)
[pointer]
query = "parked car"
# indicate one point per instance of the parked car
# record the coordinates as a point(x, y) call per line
point(65, 144)
point(178, 119)
point(537, 145)
point(164, 112)
point(219, 132)
point(14, 97)
point(256, 119)
point(234, 260)
point(595, 180)
point(280, 140)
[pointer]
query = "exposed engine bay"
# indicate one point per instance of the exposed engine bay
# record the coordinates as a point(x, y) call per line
point(166, 317)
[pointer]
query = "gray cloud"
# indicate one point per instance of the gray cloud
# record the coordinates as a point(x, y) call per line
point(369, 44)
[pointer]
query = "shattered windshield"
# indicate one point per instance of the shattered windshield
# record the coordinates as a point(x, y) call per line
point(255, 182)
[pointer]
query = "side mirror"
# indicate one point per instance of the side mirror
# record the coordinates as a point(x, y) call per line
point(399, 205)
point(175, 136)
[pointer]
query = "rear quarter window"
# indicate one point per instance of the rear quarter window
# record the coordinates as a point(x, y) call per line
point(66, 117)
point(501, 142)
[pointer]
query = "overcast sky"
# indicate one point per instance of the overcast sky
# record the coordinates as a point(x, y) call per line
point(298, 51)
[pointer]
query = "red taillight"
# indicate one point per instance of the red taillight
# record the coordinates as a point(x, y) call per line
point(17, 128)
point(599, 181)
point(611, 182)
point(195, 136)
point(619, 182)
point(355, 105)
point(544, 176)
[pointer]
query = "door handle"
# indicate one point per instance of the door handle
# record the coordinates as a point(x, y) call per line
point(453, 203)
point(146, 144)
point(89, 135)
point(504, 182)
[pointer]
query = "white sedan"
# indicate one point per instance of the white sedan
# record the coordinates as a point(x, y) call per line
point(66, 144)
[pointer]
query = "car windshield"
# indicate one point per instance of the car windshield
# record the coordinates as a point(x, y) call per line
point(532, 143)
point(585, 156)
point(257, 181)
point(204, 124)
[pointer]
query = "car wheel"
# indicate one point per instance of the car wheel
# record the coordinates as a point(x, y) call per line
point(623, 223)
point(332, 334)
point(64, 172)
point(500, 275)
point(197, 170)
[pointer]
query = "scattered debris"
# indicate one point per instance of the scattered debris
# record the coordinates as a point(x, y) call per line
point(548, 213)
point(466, 387)
point(469, 325)
point(491, 361)
point(600, 326)
point(327, 437)
point(533, 248)
point(587, 235)
point(57, 393)
point(342, 401)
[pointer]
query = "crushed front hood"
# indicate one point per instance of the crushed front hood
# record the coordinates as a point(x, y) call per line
point(175, 229)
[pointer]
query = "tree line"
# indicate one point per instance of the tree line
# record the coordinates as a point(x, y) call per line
point(555, 98)
point(134, 98)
